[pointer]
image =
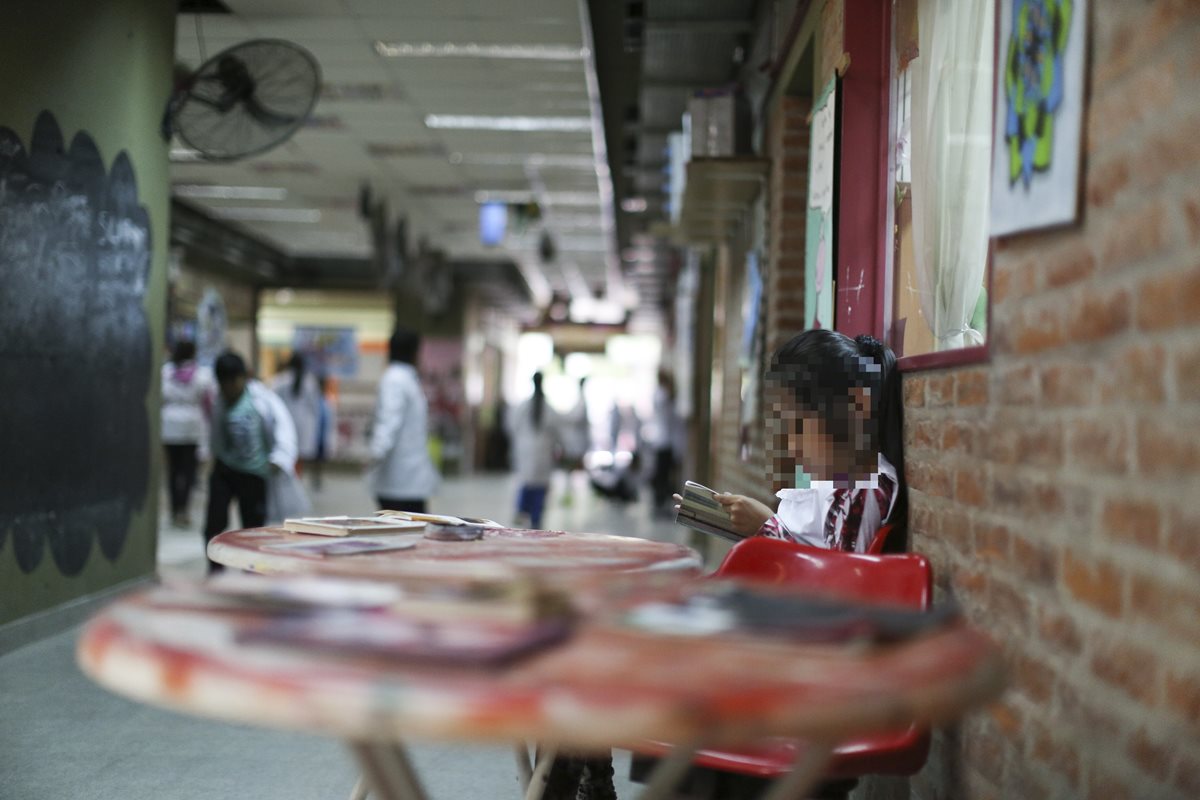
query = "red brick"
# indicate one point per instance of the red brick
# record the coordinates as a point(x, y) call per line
point(961, 437)
point(1187, 372)
point(1007, 719)
point(1040, 444)
point(1067, 384)
point(1187, 776)
point(1106, 181)
point(1083, 710)
point(1169, 301)
point(1168, 445)
point(1059, 631)
point(1034, 332)
point(1191, 216)
point(1033, 678)
point(1069, 264)
point(941, 390)
point(1132, 521)
point(1168, 151)
point(1013, 279)
point(1101, 314)
point(1099, 443)
point(932, 478)
point(1055, 756)
point(1017, 386)
point(1131, 238)
point(924, 434)
point(971, 388)
point(1025, 495)
point(1129, 668)
point(914, 391)
point(1006, 603)
point(993, 543)
point(1168, 605)
point(1115, 111)
point(1095, 584)
point(970, 489)
point(1103, 785)
point(1135, 374)
point(1153, 757)
point(1183, 696)
point(1183, 539)
point(1035, 560)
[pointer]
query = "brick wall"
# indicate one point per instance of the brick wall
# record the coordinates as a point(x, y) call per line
point(1056, 487)
point(782, 309)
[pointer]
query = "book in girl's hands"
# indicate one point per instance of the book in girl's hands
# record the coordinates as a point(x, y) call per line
point(346, 526)
point(700, 511)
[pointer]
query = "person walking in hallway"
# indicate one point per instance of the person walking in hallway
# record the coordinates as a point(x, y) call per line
point(535, 429)
point(187, 398)
point(402, 474)
point(253, 438)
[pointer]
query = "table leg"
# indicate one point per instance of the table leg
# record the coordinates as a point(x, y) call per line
point(388, 771)
point(537, 781)
point(805, 774)
point(524, 770)
point(669, 772)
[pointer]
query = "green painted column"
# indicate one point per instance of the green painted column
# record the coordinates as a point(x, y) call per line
point(104, 70)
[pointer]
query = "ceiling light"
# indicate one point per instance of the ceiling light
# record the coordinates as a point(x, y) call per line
point(464, 122)
point(520, 160)
point(535, 52)
point(303, 215)
point(184, 155)
point(633, 205)
point(205, 192)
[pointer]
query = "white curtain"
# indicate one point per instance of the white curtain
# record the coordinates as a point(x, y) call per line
point(951, 161)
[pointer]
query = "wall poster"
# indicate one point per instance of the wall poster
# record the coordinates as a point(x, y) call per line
point(819, 264)
point(750, 353)
point(1039, 114)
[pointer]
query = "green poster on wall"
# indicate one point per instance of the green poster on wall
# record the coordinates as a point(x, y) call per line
point(819, 264)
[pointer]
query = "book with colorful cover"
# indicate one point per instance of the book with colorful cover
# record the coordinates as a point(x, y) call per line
point(347, 526)
point(699, 510)
point(347, 546)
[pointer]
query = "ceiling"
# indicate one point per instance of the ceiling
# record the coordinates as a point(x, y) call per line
point(370, 127)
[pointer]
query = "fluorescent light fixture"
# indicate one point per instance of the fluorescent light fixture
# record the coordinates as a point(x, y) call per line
point(466, 122)
point(633, 205)
point(533, 52)
point(302, 215)
point(204, 192)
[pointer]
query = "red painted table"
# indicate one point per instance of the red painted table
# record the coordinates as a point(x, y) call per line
point(607, 685)
point(555, 557)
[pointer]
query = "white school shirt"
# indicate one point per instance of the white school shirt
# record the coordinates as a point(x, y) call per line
point(803, 513)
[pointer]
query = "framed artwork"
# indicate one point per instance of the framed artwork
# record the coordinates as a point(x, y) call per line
point(819, 263)
point(1039, 114)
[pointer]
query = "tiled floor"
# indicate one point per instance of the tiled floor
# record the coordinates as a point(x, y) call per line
point(62, 737)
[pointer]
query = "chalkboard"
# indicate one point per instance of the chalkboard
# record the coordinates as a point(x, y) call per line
point(75, 352)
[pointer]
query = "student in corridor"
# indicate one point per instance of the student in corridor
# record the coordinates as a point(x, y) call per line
point(402, 474)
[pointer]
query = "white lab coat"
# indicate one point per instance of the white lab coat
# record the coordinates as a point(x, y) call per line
point(304, 408)
point(533, 447)
point(401, 468)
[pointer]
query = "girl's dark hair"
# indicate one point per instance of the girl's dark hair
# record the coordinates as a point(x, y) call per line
point(820, 367)
point(296, 365)
point(403, 346)
point(539, 400)
point(184, 350)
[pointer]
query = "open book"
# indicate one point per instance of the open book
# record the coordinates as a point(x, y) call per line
point(700, 511)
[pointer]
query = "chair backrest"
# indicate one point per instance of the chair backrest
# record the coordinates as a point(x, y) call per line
point(881, 535)
point(897, 580)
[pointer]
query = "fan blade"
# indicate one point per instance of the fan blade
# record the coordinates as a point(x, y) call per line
point(265, 116)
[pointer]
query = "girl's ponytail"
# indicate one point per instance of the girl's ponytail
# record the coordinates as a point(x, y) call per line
point(889, 412)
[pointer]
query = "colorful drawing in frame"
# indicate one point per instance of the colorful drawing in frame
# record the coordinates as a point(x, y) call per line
point(1039, 114)
point(819, 263)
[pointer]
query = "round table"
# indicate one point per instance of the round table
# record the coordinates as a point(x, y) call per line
point(607, 685)
point(556, 557)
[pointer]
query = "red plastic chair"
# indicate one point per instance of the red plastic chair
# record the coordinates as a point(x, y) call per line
point(881, 535)
point(896, 580)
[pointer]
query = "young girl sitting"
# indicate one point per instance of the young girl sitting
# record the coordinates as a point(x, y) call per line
point(834, 412)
